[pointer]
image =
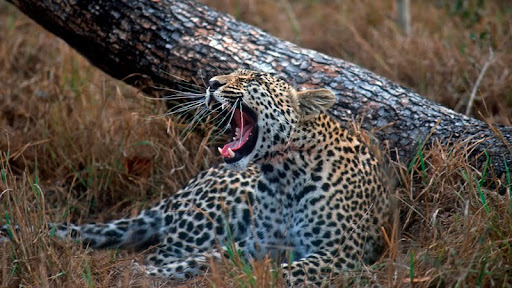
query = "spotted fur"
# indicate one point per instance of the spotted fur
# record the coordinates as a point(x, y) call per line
point(308, 191)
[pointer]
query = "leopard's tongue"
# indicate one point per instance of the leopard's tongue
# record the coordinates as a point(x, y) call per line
point(242, 126)
point(238, 142)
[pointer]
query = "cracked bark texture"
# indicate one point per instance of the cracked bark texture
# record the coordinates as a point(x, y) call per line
point(161, 41)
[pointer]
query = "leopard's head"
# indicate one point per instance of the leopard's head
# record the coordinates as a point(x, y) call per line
point(262, 111)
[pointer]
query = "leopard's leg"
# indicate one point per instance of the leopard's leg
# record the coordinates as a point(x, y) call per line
point(316, 269)
point(183, 268)
point(161, 262)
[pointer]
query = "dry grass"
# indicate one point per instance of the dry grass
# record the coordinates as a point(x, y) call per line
point(76, 145)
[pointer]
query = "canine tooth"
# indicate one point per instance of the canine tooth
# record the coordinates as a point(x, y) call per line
point(220, 150)
point(223, 106)
point(231, 153)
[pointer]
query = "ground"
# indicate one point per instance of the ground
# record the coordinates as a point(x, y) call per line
point(76, 144)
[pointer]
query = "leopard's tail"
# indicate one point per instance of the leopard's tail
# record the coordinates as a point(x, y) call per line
point(137, 233)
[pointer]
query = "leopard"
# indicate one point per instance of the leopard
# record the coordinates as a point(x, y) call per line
point(294, 185)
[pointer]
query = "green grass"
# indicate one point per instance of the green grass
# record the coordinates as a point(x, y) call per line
point(411, 266)
point(87, 275)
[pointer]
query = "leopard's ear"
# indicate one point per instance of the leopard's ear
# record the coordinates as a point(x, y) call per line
point(314, 102)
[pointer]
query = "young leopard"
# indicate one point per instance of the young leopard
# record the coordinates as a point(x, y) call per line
point(294, 185)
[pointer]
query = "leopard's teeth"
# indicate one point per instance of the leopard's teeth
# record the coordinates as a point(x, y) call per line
point(223, 106)
point(220, 150)
point(237, 131)
point(231, 153)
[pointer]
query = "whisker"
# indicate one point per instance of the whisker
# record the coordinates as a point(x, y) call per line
point(202, 78)
point(196, 120)
point(170, 89)
point(223, 114)
point(218, 114)
point(184, 107)
point(183, 114)
point(186, 104)
point(180, 97)
point(231, 113)
point(218, 69)
point(232, 69)
point(181, 87)
point(185, 81)
point(228, 65)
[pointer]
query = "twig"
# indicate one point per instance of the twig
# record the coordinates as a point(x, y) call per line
point(478, 80)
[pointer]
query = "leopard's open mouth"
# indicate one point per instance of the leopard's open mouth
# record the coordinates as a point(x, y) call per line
point(244, 133)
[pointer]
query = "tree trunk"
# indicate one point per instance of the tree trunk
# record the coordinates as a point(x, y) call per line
point(170, 42)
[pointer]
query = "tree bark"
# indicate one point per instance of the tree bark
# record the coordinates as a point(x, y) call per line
point(171, 42)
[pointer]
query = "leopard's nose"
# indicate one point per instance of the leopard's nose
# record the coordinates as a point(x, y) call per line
point(214, 85)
